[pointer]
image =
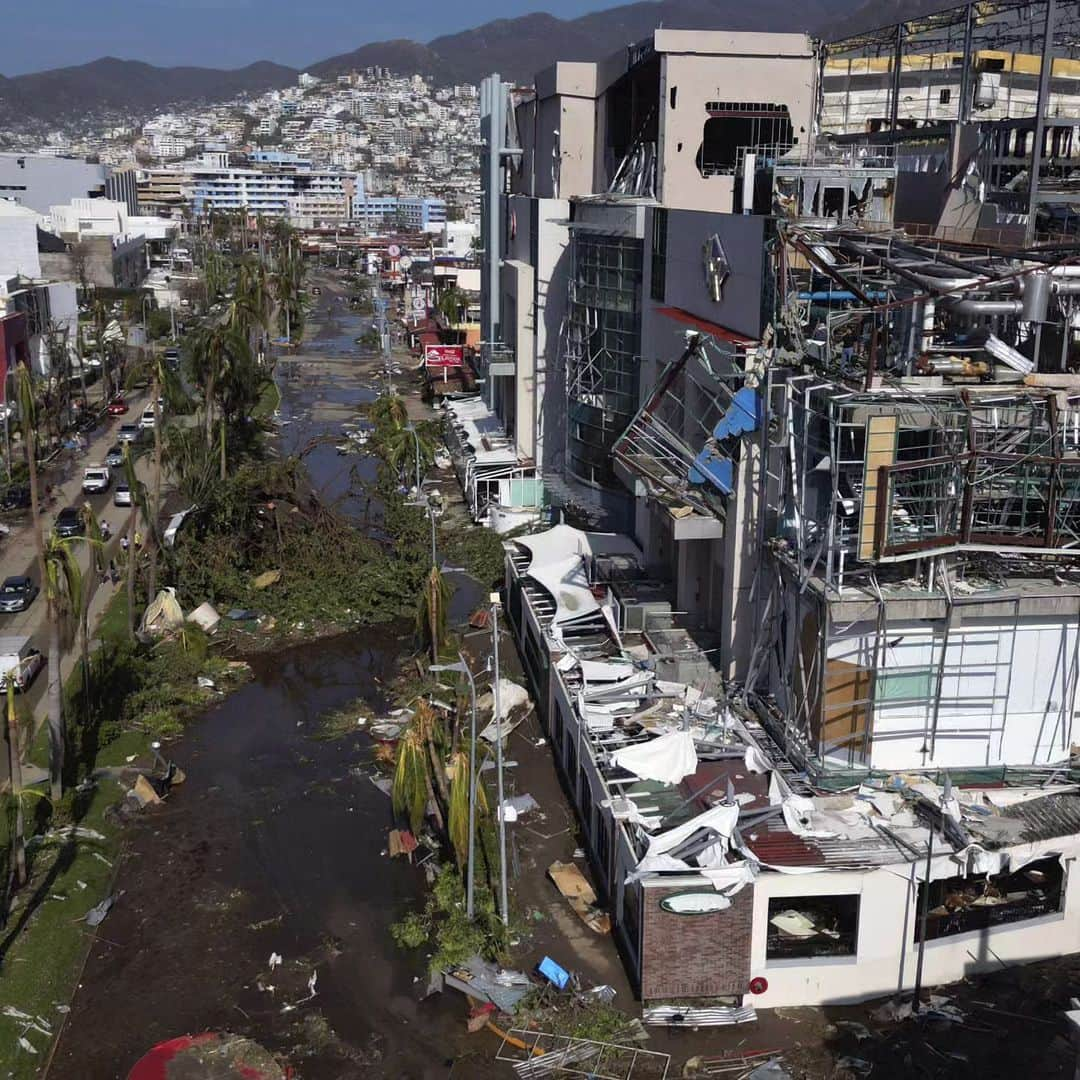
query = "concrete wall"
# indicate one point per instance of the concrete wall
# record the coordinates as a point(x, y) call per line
point(728, 67)
point(39, 181)
point(886, 952)
point(519, 313)
point(18, 244)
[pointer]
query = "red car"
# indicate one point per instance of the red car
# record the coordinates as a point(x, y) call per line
point(117, 407)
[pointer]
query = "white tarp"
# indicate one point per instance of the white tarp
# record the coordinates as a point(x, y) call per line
point(666, 759)
point(568, 585)
point(721, 819)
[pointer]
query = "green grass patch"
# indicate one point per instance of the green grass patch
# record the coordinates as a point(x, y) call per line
point(269, 400)
point(45, 941)
point(112, 627)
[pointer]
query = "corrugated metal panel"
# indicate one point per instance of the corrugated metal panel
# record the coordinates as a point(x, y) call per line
point(1048, 817)
point(774, 844)
point(675, 1015)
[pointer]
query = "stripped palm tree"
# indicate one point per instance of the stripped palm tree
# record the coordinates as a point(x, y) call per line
point(216, 349)
point(431, 611)
point(458, 811)
point(138, 498)
point(62, 582)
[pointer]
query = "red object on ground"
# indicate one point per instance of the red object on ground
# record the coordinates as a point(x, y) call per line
point(174, 1058)
point(153, 1065)
point(759, 985)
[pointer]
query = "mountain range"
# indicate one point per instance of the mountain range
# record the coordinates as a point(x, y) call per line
point(516, 48)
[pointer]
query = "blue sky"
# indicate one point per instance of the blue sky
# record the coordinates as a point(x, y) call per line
point(231, 33)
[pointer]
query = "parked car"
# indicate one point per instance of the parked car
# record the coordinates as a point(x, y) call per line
point(122, 495)
point(115, 457)
point(17, 497)
point(129, 433)
point(19, 662)
point(17, 594)
point(96, 479)
point(172, 357)
point(148, 420)
point(117, 407)
point(69, 522)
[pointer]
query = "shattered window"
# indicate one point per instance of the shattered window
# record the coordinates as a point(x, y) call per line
point(959, 905)
point(805, 927)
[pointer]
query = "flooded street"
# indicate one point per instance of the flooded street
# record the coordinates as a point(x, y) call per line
point(275, 845)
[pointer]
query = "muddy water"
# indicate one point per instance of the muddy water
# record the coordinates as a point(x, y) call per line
point(275, 844)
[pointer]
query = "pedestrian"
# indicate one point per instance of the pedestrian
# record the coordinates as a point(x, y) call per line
point(124, 543)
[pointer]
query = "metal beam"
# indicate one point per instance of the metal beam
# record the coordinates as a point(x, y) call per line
point(1040, 117)
point(897, 64)
point(964, 111)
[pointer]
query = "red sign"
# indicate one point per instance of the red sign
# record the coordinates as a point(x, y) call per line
point(441, 357)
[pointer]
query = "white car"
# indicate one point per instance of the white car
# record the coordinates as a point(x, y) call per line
point(96, 478)
point(148, 420)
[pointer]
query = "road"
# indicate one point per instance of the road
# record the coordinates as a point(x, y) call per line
point(18, 554)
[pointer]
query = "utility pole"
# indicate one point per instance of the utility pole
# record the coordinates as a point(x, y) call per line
point(503, 912)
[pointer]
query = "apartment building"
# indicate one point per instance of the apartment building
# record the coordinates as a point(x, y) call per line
point(272, 191)
point(806, 642)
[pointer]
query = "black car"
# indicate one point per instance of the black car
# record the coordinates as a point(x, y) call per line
point(115, 457)
point(17, 594)
point(69, 522)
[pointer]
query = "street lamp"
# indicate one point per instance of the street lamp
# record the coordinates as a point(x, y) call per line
point(463, 668)
point(495, 603)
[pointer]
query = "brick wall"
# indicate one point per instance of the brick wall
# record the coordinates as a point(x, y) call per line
point(692, 956)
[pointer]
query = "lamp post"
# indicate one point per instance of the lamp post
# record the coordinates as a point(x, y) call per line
point(463, 668)
point(495, 603)
point(145, 329)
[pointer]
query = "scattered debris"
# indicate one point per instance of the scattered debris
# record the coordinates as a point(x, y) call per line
point(570, 881)
point(855, 1065)
point(143, 793)
point(484, 981)
point(97, 914)
point(558, 976)
point(206, 617)
point(402, 842)
point(541, 1053)
point(480, 619)
point(275, 960)
point(266, 579)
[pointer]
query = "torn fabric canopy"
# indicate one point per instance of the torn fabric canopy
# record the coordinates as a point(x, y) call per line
point(666, 759)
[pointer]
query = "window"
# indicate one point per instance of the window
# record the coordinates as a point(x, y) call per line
point(737, 126)
point(806, 927)
point(911, 684)
point(945, 97)
point(959, 905)
point(658, 285)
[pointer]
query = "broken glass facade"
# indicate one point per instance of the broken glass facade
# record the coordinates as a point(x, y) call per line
point(603, 358)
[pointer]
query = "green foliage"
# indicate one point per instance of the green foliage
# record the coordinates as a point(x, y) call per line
point(478, 551)
point(443, 924)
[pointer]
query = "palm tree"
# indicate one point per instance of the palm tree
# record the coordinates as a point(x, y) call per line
point(450, 304)
point(190, 463)
point(431, 611)
point(164, 382)
point(137, 498)
point(18, 832)
point(215, 350)
point(63, 585)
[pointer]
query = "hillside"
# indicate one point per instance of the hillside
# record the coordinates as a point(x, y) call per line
point(516, 48)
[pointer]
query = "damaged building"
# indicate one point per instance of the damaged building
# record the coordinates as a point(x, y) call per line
point(811, 361)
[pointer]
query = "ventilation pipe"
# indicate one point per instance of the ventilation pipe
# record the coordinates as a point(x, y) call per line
point(928, 310)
